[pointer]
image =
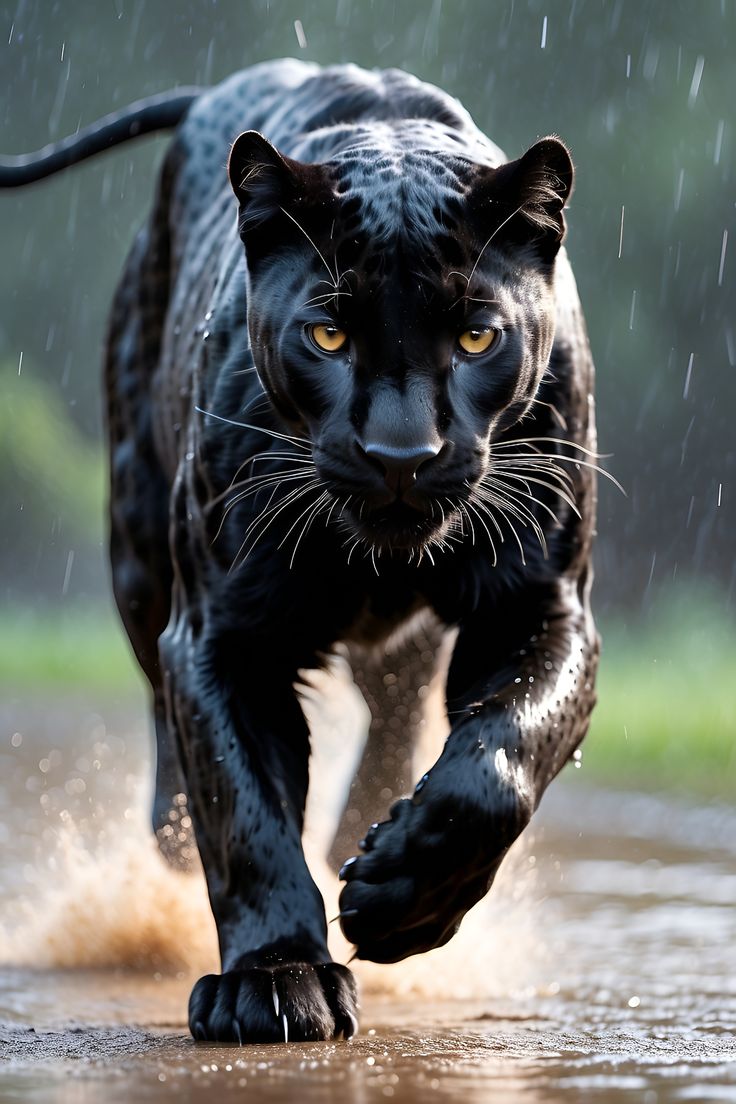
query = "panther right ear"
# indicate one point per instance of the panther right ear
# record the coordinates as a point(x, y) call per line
point(523, 201)
point(265, 182)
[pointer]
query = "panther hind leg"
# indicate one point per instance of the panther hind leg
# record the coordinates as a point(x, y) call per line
point(139, 511)
point(394, 687)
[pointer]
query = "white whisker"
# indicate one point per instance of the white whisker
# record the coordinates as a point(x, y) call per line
point(555, 413)
point(288, 473)
point(523, 460)
point(473, 506)
point(316, 485)
point(532, 498)
point(270, 513)
point(483, 506)
point(532, 441)
point(242, 495)
point(316, 507)
point(541, 467)
point(517, 510)
point(496, 231)
point(329, 512)
point(333, 275)
point(526, 479)
point(320, 299)
point(300, 442)
point(464, 513)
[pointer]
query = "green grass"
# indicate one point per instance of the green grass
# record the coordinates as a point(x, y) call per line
point(69, 649)
point(666, 714)
point(44, 454)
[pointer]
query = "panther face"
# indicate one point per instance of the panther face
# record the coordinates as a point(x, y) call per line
point(401, 315)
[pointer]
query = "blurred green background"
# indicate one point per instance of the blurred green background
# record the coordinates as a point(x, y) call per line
point(642, 91)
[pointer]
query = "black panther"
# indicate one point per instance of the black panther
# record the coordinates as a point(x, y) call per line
point(348, 381)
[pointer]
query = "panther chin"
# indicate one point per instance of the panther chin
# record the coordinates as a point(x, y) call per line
point(401, 528)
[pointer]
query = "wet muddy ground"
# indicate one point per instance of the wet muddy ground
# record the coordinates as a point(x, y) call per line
point(602, 967)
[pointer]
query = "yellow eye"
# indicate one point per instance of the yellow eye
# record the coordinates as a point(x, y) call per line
point(478, 340)
point(327, 337)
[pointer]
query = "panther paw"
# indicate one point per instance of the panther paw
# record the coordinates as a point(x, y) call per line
point(295, 1002)
point(409, 890)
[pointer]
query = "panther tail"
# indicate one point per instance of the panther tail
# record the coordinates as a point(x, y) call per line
point(160, 112)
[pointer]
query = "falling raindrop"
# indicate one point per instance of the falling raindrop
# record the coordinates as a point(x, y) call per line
point(688, 374)
point(695, 83)
point(678, 188)
point(300, 35)
point(621, 233)
point(724, 243)
point(67, 572)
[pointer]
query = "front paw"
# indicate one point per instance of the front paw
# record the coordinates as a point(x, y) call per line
point(275, 1004)
point(420, 873)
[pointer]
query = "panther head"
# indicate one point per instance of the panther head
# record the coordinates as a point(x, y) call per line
point(401, 313)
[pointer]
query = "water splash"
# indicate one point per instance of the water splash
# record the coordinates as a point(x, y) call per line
point(99, 895)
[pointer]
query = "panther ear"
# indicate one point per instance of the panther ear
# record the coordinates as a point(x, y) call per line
point(262, 179)
point(265, 181)
point(527, 197)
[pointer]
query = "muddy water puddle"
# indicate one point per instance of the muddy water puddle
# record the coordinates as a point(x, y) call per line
point(602, 967)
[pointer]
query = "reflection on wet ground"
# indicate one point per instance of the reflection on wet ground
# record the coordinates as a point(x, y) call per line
point(601, 968)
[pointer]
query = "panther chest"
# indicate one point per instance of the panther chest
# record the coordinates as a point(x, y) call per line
point(377, 623)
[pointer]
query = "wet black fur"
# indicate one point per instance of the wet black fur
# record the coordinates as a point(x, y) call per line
point(387, 208)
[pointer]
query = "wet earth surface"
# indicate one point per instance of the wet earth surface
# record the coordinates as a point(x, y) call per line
point(602, 967)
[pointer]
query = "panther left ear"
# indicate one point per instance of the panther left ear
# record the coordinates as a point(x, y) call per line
point(262, 179)
point(266, 182)
point(527, 197)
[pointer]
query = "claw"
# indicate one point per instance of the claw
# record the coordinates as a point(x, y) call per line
point(353, 1025)
point(285, 1022)
point(238, 1032)
point(199, 1032)
point(345, 865)
point(275, 995)
point(367, 843)
point(346, 912)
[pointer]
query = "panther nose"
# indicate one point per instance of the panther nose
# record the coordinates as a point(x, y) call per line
point(399, 466)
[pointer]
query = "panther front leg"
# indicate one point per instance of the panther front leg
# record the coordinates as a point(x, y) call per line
point(518, 712)
point(244, 747)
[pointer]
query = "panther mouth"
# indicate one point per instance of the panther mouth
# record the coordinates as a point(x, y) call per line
point(400, 526)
